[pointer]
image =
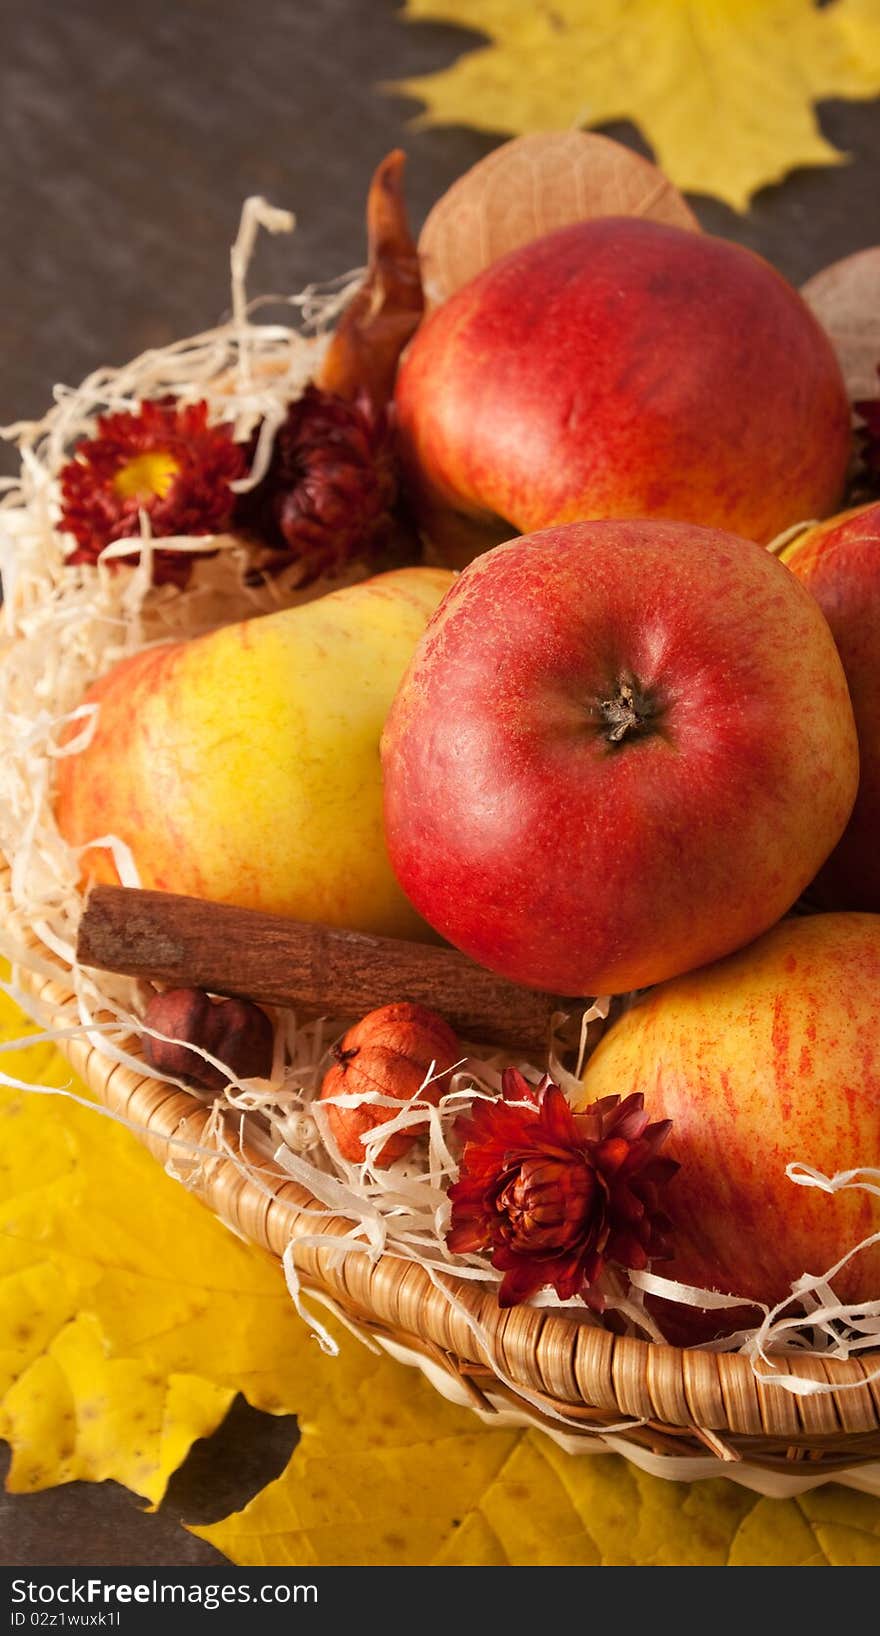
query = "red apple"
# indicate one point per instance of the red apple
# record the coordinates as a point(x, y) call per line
point(839, 562)
point(621, 368)
point(621, 749)
point(769, 1058)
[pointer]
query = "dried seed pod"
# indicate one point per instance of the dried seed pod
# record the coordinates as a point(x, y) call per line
point(531, 186)
point(410, 1031)
point(237, 1032)
point(390, 1052)
point(328, 494)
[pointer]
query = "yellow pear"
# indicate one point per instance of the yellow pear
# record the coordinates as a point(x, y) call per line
point(243, 766)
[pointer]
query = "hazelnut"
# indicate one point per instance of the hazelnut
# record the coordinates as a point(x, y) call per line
point(237, 1032)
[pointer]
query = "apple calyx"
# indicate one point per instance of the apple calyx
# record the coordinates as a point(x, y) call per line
point(344, 1056)
point(632, 710)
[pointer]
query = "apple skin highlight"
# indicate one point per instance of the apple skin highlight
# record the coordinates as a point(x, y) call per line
point(621, 368)
point(570, 862)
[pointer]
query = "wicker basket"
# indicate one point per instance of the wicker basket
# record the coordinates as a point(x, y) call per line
point(659, 1401)
point(666, 1408)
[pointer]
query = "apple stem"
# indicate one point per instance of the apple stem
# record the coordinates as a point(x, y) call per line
point(630, 711)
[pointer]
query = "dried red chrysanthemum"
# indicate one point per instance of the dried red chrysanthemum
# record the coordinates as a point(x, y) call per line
point(163, 459)
point(869, 440)
point(552, 1195)
point(327, 495)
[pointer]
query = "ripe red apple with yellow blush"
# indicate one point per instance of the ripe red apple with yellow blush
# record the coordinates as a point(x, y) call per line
point(621, 368)
point(768, 1058)
point(839, 562)
point(622, 749)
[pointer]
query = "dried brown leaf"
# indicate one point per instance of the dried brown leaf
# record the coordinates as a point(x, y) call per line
point(846, 300)
point(528, 188)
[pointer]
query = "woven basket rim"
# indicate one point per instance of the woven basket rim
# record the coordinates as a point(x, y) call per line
point(674, 1400)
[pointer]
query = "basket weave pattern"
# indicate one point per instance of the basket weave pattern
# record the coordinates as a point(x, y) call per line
point(682, 1401)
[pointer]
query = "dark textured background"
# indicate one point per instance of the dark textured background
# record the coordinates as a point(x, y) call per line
point(129, 137)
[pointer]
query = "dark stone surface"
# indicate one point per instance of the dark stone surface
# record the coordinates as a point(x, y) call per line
point(130, 136)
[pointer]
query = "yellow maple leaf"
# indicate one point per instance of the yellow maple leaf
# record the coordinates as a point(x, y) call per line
point(77, 1413)
point(129, 1315)
point(381, 1476)
point(453, 1498)
point(722, 89)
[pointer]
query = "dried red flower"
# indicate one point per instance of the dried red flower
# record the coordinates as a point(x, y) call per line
point(869, 440)
point(552, 1195)
point(162, 458)
point(327, 495)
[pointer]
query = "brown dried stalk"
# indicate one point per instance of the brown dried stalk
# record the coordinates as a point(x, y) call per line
point(363, 354)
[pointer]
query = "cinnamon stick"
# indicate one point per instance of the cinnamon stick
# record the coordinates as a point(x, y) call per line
point(317, 970)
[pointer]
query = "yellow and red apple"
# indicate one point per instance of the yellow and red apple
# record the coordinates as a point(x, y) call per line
point(768, 1058)
point(621, 368)
point(622, 749)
